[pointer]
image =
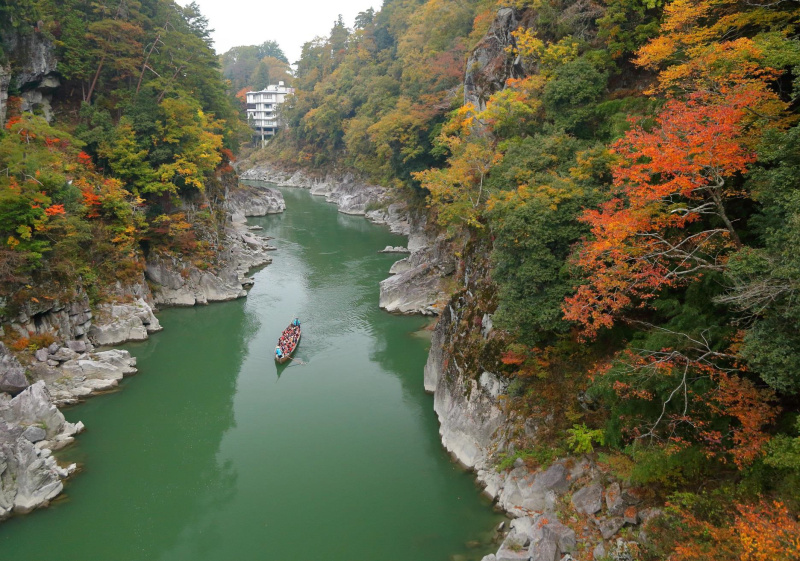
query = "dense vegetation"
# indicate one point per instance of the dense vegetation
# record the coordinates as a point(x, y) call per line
point(141, 136)
point(254, 67)
point(636, 177)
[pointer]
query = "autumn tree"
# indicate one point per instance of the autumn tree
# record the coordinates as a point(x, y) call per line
point(668, 223)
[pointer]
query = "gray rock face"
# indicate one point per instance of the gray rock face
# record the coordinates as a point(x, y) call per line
point(98, 372)
point(64, 321)
point(12, 374)
point(5, 80)
point(416, 287)
point(179, 283)
point(514, 547)
point(489, 65)
point(35, 65)
point(563, 536)
point(411, 292)
point(544, 550)
point(589, 499)
point(468, 415)
point(246, 200)
point(395, 216)
point(118, 323)
point(436, 356)
point(34, 407)
point(183, 284)
point(29, 475)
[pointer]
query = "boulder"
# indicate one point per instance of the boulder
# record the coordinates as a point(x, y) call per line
point(610, 526)
point(561, 534)
point(34, 434)
point(554, 479)
point(64, 354)
point(647, 514)
point(589, 499)
point(78, 346)
point(614, 502)
point(544, 550)
point(12, 374)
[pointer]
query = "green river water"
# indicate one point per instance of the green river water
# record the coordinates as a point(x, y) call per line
point(214, 453)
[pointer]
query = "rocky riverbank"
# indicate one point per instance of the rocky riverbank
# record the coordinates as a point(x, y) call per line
point(568, 507)
point(36, 381)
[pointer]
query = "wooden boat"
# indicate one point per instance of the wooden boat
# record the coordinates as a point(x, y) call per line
point(290, 339)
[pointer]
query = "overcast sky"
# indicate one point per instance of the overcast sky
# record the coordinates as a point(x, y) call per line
point(289, 22)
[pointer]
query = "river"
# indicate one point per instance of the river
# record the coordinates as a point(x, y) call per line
point(214, 453)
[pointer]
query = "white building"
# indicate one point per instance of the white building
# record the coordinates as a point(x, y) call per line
point(262, 109)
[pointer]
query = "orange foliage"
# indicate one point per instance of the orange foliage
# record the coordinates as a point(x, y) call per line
point(85, 160)
point(241, 95)
point(762, 532)
point(752, 408)
point(20, 344)
point(668, 178)
point(55, 210)
point(728, 419)
point(92, 202)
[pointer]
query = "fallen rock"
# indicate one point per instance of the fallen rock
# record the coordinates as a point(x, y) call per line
point(34, 434)
point(614, 502)
point(599, 551)
point(544, 550)
point(610, 526)
point(79, 346)
point(589, 499)
point(12, 374)
point(561, 534)
point(64, 354)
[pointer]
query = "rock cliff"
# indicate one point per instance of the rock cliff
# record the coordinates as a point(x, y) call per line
point(244, 200)
point(558, 509)
point(32, 70)
point(416, 284)
point(489, 65)
point(30, 428)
